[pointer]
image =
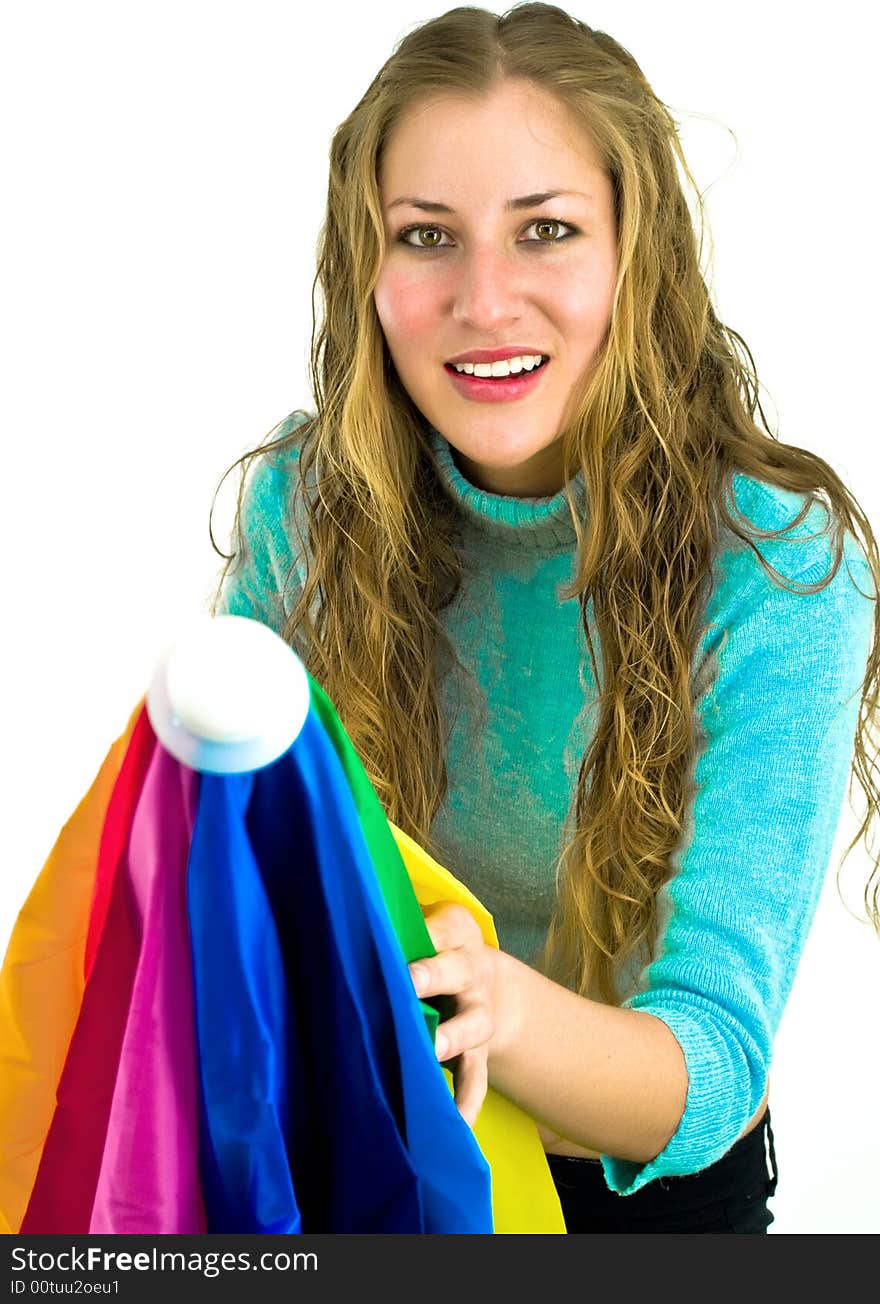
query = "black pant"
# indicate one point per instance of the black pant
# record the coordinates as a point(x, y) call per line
point(728, 1196)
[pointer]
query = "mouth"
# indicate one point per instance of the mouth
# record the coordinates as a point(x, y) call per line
point(497, 389)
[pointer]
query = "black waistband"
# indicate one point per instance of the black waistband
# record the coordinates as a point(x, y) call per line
point(744, 1165)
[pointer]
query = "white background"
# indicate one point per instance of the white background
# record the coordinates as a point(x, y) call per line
point(164, 168)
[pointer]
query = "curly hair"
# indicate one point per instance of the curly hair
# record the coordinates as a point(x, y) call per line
point(659, 428)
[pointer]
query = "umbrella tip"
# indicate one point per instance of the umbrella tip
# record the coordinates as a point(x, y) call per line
point(228, 696)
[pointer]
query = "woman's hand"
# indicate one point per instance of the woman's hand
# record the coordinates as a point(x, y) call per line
point(464, 967)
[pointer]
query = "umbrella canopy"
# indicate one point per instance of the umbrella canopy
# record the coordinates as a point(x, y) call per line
point(207, 1022)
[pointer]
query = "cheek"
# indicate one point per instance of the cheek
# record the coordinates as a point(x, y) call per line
point(405, 303)
point(582, 303)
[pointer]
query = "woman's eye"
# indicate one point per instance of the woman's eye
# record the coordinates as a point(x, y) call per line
point(553, 224)
point(548, 227)
point(417, 230)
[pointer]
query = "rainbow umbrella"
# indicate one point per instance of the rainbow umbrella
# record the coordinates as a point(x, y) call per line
point(206, 1019)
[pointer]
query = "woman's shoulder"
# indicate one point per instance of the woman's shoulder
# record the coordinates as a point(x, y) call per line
point(278, 454)
point(269, 556)
point(804, 553)
point(781, 610)
point(273, 471)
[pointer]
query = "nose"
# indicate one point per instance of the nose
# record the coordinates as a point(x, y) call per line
point(487, 292)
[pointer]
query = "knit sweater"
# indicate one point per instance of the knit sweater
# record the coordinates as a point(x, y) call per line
point(779, 678)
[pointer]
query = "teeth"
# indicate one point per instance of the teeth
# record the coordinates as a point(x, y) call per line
point(509, 367)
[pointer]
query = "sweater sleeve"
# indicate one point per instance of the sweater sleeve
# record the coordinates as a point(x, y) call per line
point(266, 566)
point(778, 725)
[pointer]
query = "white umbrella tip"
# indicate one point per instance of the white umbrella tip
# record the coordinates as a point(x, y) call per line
point(229, 695)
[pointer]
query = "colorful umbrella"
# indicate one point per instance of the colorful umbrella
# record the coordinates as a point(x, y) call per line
point(206, 1019)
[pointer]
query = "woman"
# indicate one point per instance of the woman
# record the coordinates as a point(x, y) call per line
point(533, 439)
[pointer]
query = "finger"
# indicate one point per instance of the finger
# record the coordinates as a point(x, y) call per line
point(444, 974)
point(470, 1076)
point(450, 926)
point(470, 1029)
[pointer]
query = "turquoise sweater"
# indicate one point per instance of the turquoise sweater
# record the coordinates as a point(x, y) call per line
point(778, 677)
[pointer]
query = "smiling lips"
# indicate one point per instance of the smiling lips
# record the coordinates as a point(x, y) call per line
point(501, 381)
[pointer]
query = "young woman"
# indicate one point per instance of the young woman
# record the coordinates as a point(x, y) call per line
point(607, 648)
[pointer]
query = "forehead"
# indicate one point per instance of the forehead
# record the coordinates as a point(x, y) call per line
point(505, 137)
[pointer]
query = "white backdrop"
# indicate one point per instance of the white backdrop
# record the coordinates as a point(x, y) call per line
point(164, 168)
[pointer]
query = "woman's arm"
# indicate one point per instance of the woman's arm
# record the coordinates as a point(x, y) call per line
point(613, 1080)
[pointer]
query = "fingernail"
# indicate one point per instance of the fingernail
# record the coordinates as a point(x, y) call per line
point(419, 977)
point(441, 1045)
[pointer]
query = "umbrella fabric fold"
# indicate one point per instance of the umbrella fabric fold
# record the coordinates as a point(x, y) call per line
point(149, 1175)
point(64, 1190)
point(247, 1035)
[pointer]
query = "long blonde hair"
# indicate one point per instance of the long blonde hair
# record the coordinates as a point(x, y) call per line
point(662, 424)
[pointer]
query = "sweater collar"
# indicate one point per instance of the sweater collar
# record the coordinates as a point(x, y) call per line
point(526, 522)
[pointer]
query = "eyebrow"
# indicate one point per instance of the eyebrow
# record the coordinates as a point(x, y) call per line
point(524, 201)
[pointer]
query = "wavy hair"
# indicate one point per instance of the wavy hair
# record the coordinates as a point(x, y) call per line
point(659, 427)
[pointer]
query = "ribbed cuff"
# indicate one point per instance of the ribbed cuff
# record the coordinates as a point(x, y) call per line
point(723, 1093)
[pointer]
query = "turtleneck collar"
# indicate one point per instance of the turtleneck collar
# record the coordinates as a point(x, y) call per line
point(527, 522)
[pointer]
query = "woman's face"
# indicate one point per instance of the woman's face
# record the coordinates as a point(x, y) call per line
point(488, 264)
